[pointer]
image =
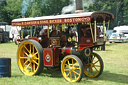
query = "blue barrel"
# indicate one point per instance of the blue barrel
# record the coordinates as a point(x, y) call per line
point(5, 67)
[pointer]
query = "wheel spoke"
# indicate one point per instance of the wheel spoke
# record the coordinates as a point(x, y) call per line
point(23, 57)
point(89, 71)
point(96, 61)
point(31, 68)
point(70, 76)
point(96, 69)
point(72, 61)
point(26, 48)
point(35, 53)
point(68, 62)
point(36, 58)
point(34, 67)
point(35, 62)
point(93, 58)
point(26, 54)
point(30, 48)
point(67, 65)
point(77, 68)
point(97, 65)
point(66, 69)
point(33, 49)
point(75, 64)
point(25, 62)
point(92, 71)
point(28, 65)
point(90, 59)
point(76, 73)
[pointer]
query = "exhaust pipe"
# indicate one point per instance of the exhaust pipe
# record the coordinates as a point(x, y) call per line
point(79, 6)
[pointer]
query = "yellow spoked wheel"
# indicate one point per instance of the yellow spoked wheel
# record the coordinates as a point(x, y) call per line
point(72, 68)
point(94, 67)
point(29, 57)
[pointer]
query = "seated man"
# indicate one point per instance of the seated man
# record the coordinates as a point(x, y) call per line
point(54, 32)
point(85, 30)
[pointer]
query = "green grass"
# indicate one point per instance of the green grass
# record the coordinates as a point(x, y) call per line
point(115, 69)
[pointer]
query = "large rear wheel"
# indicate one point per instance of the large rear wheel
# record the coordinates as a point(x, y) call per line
point(94, 66)
point(72, 68)
point(29, 57)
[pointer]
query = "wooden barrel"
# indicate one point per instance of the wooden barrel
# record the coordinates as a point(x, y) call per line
point(5, 67)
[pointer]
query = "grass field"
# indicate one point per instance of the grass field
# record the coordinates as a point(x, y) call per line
point(115, 72)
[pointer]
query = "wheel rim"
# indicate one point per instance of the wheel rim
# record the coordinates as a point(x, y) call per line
point(71, 69)
point(93, 68)
point(28, 58)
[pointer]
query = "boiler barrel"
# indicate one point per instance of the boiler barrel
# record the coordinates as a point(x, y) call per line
point(5, 67)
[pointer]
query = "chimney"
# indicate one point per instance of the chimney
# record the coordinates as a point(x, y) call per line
point(23, 16)
point(79, 6)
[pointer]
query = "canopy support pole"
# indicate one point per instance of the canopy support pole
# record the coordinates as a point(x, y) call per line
point(107, 28)
point(104, 30)
point(48, 31)
point(22, 32)
point(95, 29)
point(91, 32)
point(31, 31)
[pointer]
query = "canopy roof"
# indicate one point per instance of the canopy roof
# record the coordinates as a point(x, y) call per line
point(65, 19)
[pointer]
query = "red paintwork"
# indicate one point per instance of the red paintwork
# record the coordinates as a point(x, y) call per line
point(48, 53)
point(45, 40)
point(56, 52)
point(53, 21)
point(53, 55)
point(87, 40)
point(36, 39)
point(82, 46)
point(68, 50)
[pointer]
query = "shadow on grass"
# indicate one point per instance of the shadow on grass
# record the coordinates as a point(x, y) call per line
point(51, 73)
point(15, 76)
point(102, 50)
point(107, 76)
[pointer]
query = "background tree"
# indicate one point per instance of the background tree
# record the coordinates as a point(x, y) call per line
point(116, 7)
point(125, 12)
point(12, 9)
point(3, 13)
point(32, 8)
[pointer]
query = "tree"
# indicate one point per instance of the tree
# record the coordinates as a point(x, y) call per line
point(13, 9)
point(117, 7)
point(3, 13)
point(32, 8)
point(125, 12)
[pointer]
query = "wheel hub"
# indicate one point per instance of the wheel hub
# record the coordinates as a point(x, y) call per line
point(92, 65)
point(71, 68)
point(29, 58)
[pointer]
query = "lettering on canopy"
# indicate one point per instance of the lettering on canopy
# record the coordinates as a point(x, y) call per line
point(53, 21)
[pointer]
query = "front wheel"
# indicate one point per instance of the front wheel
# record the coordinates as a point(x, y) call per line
point(72, 68)
point(94, 66)
point(29, 57)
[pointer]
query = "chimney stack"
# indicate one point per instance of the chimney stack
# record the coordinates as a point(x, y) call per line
point(23, 16)
point(79, 6)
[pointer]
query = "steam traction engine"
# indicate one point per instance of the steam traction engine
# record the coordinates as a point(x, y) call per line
point(62, 41)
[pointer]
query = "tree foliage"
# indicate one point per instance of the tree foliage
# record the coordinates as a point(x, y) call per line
point(117, 7)
point(12, 9)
